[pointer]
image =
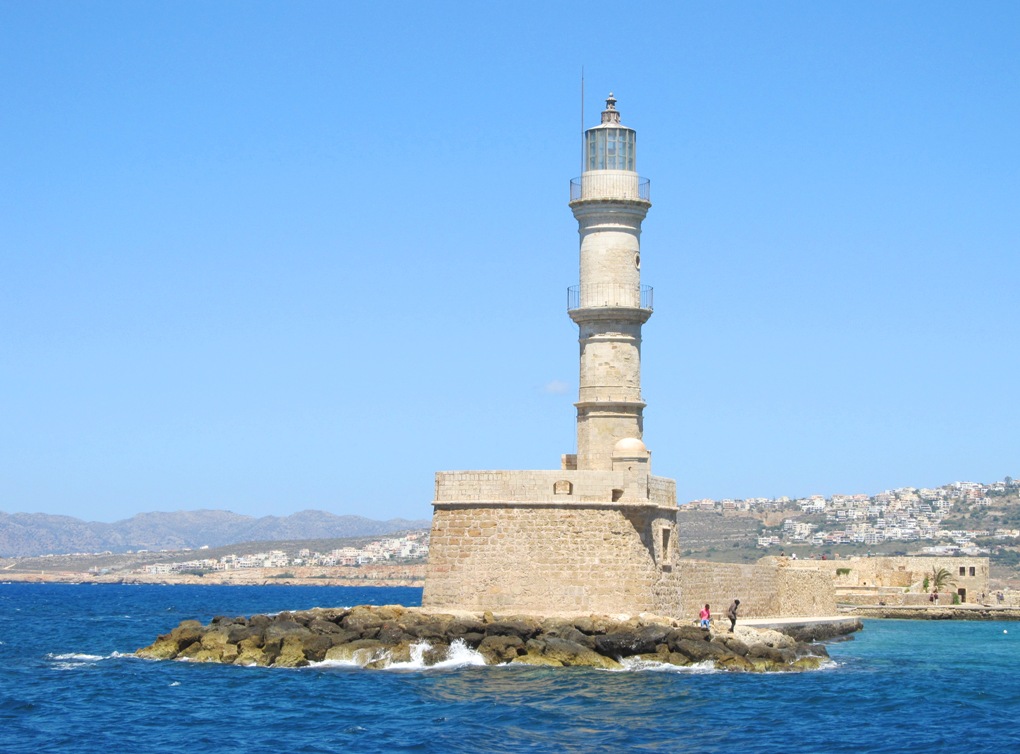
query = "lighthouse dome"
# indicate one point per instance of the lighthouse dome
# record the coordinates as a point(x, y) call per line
point(629, 446)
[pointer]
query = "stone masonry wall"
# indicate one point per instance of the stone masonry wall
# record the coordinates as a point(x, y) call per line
point(764, 591)
point(546, 559)
point(879, 573)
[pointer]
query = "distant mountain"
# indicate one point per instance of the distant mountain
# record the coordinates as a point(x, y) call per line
point(28, 534)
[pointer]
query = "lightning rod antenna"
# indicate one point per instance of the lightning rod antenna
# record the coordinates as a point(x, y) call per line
point(582, 119)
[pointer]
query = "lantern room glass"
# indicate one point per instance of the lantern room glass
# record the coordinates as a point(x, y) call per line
point(610, 149)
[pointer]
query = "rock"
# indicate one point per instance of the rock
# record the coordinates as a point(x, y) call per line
point(626, 643)
point(430, 628)
point(376, 637)
point(680, 660)
point(236, 633)
point(808, 663)
point(316, 646)
point(699, 651)
point(572, 634)
point(280, 629)
point(591, 625)
point(170, 646)
point(392, 633)
point(250, 652)
point(686, 633)
point(524, 629)
point(259, 621)
point(734, 662)
point(570, 653)
point(320, 626)
point(360, 652)
point(536, 659)
point(776, 657)
point(391, 612)
point(691, 633)
point(164, 648)
point(735, 645)
point(464, 626)
point(436, 653)
point(500, 649)
point(292, 653)
point(362, 620)
point(402, 652)
point(821, 631)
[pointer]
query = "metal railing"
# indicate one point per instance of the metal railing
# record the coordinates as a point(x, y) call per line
point(602, 295)
point(614, 185)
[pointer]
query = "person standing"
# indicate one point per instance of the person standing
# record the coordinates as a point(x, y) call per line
point(732, 614)
point(705, 615)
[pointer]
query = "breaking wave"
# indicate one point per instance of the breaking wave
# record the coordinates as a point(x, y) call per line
point(75, 660)
point(458, 655)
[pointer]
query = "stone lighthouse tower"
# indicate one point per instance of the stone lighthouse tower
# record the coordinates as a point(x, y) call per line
point(598, 534)
point(609, 306)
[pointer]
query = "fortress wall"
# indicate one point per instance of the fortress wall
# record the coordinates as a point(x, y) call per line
point(804, 593)
point(896, 572)
point(553, 559)
point(764, 591)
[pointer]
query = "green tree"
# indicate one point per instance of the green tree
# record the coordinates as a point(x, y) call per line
point(940, 578)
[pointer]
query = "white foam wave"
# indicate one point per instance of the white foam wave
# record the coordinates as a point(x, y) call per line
point(74, 660)
point(459, 655)
point(633, 665)
point(829, 664)
point(79, 656)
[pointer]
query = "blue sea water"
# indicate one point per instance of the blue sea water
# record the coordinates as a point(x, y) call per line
point(68, 683)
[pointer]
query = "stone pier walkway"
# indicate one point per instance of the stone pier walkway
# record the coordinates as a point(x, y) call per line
point(769, 622)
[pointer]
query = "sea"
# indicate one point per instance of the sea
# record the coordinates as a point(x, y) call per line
point(69, 683)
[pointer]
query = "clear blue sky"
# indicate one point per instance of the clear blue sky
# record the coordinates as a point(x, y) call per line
point(274, 256)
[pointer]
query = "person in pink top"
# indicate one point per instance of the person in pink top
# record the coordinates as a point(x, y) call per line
point(705, 615)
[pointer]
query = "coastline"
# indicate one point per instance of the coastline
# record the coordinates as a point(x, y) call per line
point(947, 612)
point(376, 575)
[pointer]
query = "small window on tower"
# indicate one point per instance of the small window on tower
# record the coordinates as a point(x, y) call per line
point(637, 261)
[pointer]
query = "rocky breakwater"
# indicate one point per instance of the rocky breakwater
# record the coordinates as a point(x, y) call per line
point(377, 637)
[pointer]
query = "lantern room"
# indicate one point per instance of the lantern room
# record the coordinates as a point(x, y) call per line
point(610, 145)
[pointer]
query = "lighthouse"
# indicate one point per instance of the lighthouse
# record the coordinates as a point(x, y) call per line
point(609, 201)
point(597, 534)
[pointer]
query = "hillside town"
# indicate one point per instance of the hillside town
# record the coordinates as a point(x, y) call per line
point(908, 514)
point(413, 546)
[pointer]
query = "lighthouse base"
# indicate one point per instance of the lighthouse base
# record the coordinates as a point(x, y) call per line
point(548, 542)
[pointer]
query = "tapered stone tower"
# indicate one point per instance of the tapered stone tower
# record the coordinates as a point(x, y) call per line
point(597, 535)
point(609, 306)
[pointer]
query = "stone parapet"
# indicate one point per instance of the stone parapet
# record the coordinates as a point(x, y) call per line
point(555, 487)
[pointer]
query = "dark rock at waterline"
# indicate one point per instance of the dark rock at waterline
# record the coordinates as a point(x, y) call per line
point(375, 637)
point(821, 631)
